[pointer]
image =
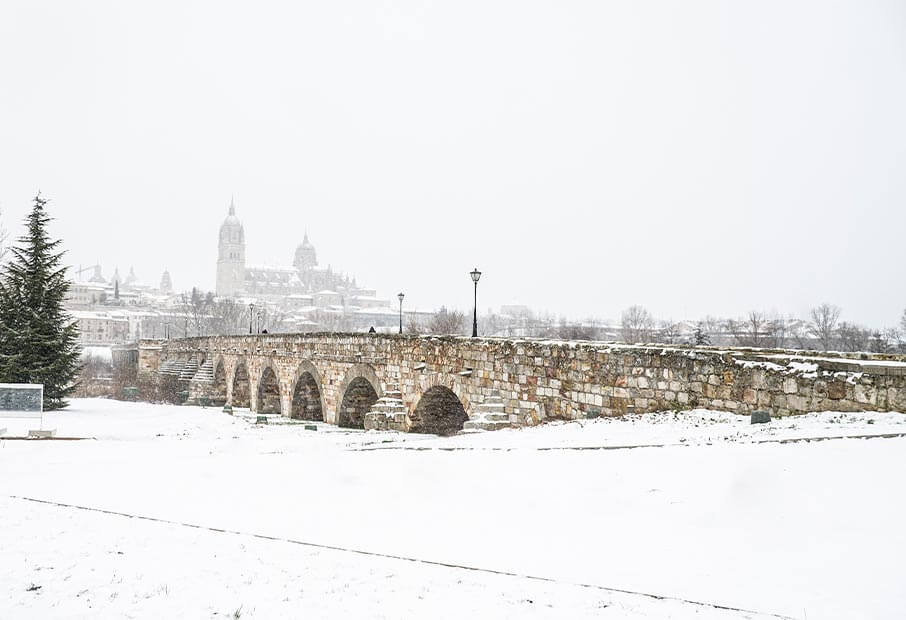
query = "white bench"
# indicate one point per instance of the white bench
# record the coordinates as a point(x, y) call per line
point(24, 400)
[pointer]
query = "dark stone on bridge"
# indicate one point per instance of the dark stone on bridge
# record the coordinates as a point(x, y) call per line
point(357, 401)
point(306, 403)
point(761, 417)
point(439, 411)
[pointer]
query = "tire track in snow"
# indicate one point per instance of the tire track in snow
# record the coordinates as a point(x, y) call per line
point(390, 556)
point(627, 446)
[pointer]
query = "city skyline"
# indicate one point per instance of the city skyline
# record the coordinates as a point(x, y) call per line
point(181, 284)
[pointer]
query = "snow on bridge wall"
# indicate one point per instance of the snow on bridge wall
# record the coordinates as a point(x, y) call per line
point(539, 380)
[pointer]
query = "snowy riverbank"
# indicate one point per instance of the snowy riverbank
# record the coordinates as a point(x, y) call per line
point(805, 530)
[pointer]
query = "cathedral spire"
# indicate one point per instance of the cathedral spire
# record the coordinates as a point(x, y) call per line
point(232, 205)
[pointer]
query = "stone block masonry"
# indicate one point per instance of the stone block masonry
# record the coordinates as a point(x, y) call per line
point(342, 376)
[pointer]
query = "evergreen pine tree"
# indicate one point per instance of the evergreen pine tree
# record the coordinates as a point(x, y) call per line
point(700, 336)
point(38, 339)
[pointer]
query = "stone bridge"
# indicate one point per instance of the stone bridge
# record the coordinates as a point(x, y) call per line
point(439, 384)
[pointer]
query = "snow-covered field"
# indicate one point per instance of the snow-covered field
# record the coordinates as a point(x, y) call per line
point(722, 513)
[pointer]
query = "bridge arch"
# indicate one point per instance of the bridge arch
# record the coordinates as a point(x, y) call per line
point(219, 390)
point(359, 390)
point(242, 386)
point(269, 396)
point(439, 411)
point(307, 400)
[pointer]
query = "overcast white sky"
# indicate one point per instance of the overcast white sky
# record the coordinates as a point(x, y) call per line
point(694, 157)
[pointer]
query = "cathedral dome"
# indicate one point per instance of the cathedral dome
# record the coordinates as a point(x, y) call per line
point(305, 257)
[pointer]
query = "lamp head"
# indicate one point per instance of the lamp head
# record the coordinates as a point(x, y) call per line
point(475, 275)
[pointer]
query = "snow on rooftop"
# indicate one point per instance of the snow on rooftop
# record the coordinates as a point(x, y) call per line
point(272, 269)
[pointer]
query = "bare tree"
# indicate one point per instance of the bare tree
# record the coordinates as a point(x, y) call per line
point(753, 331)
point(274, 320)
point(903, 324)
point(194, 309)
point(824, 324)
point(226, 317)
point(776, 333)
point(736, 330)
point(852, 337)
point(799, 335)
point(447, 321)
point(756, 328)
point(669, 332)
point(885, 340)
point(636, 325)
point(413, 326)
point(575, 331)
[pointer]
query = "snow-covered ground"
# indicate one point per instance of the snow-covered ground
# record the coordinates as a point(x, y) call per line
point(722, 514)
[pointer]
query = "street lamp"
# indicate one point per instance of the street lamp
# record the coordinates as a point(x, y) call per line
point(400, 297)
point(251, 311)
point(475, 275)
point(258, 322)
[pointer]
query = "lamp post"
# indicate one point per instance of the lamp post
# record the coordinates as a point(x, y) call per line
point(475, 275)
point(251, 312)
point(400, 297)
point(258, 322)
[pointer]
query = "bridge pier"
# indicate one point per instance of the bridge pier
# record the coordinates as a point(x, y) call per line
point(229, 386)
point(286, 401)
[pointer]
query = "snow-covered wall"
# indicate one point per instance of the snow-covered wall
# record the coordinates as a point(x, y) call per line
point(536, 380)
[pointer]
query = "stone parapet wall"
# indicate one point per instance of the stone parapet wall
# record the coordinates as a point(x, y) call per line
point(539, 380)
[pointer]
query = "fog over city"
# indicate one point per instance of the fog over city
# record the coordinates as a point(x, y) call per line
point(694, 158)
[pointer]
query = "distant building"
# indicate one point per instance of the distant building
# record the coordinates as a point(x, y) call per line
point(131, 280)
point(97, 277)
point(304, 277)
point(101, 328)
point(516, 310)
point(166, 284)
point(84, 294)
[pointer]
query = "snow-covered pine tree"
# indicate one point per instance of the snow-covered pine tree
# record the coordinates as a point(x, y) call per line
point(700, 336)
point(38, 339)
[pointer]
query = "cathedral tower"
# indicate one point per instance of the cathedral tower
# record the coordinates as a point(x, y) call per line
point(231, 256)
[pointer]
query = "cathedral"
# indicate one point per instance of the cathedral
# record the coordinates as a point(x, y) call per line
point(236, 278)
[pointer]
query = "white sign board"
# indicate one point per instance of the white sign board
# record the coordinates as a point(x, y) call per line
point(21, 400)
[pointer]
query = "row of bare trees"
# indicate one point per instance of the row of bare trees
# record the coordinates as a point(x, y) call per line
point(824, 330)
point(447, 321)
point(205, 315)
